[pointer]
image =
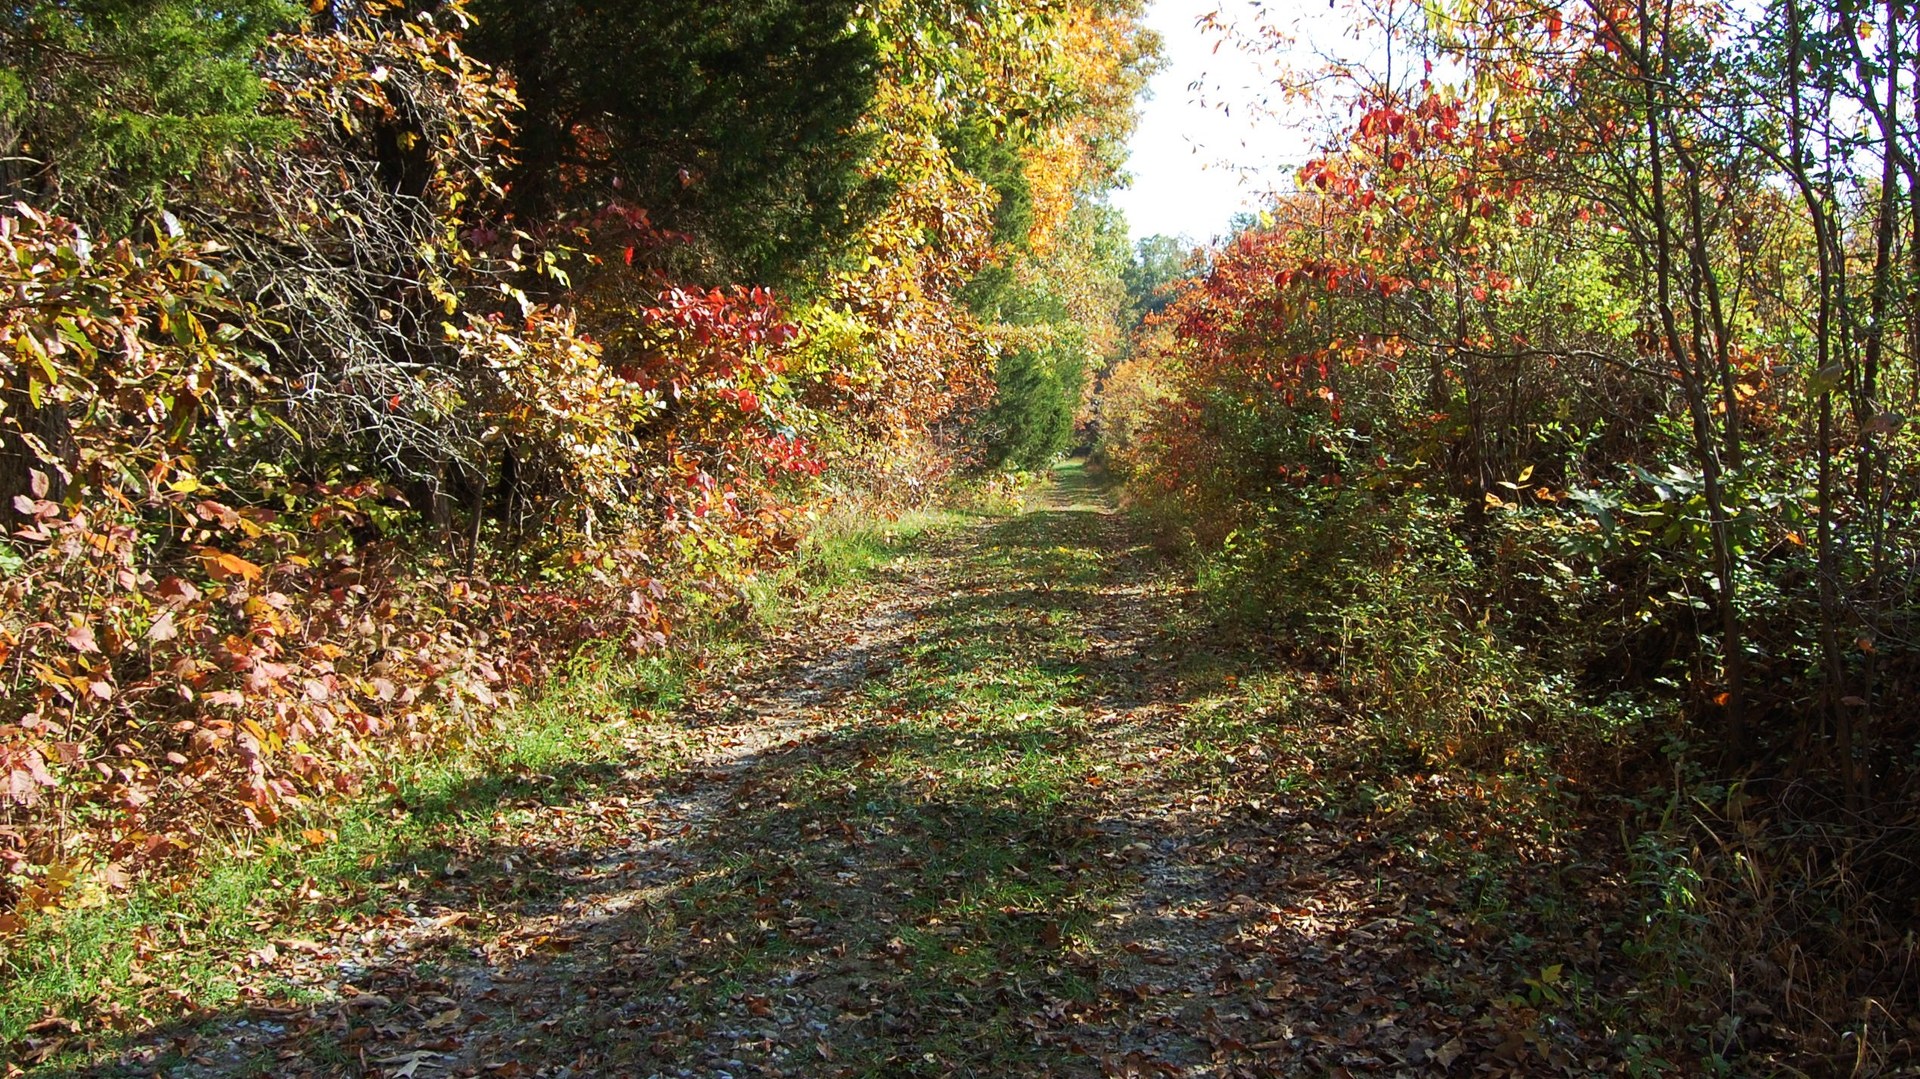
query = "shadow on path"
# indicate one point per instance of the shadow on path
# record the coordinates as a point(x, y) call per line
point(991, 831)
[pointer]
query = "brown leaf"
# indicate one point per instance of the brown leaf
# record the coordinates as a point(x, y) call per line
point(177, 590)
point(408, 1063)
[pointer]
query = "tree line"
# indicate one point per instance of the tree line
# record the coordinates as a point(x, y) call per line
point(363, 359)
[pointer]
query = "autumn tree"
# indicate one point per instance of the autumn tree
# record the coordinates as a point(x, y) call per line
point(1158, 264)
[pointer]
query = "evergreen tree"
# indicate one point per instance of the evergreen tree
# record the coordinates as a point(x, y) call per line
point(733, 122)
point(103, 102)
point(1030, 423)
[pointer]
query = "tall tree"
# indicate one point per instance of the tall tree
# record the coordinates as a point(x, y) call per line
point(734, 123)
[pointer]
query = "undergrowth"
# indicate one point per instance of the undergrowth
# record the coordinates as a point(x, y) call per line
point(1744, 940)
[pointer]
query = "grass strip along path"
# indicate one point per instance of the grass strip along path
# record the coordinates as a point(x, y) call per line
point(1013, 811)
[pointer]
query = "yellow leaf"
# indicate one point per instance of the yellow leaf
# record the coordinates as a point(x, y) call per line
point(223, 566)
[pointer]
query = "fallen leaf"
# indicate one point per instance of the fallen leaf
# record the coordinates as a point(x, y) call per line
point(408, 1062)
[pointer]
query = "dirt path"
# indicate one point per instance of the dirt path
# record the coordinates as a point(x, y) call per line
point(1016, 815)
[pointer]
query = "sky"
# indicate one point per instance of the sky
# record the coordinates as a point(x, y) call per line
point(1205, 147)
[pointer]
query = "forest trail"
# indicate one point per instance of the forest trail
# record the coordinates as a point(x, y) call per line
point(1016, 814)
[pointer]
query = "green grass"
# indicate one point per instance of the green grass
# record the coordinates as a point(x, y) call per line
point(843, 551)
point(176, 945)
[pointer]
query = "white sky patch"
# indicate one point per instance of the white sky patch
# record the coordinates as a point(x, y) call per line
point(1215, 136)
